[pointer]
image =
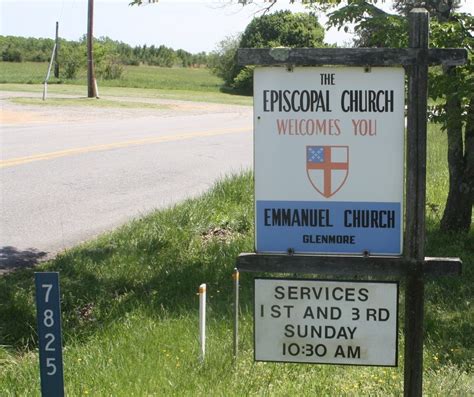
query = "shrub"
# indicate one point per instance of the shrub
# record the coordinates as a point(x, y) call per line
point(72, 58)
point(110, 68)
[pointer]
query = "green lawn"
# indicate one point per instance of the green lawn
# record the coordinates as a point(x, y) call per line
point(138, 335)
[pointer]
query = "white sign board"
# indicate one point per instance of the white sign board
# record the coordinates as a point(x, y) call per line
point(327, 322)
point(329, 160)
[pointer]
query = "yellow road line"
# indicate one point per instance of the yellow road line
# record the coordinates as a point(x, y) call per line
point(116, 145)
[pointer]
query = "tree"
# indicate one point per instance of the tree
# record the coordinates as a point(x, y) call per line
point(285, 29)
point(452, 87)
point(279, 29)
point(140, 2)
point(222, 60)
point(455, 86)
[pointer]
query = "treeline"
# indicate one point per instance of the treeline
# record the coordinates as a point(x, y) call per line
point(109, 54)
point(19, 49)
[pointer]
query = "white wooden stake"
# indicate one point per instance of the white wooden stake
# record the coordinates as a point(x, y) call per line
point(96, 89)
point(236, 277)
point(45, 90)
point(202, 319)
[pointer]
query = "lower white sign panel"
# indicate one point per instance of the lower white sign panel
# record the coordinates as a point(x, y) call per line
point(327, 322)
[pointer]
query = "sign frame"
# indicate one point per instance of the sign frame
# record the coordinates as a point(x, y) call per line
point(395, 284)
point(284, 186)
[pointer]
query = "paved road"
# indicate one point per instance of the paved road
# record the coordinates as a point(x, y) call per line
point(69, 176)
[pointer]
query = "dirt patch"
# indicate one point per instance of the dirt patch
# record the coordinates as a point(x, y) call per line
point(21, 117)
point(218, 234)
point(13, 114)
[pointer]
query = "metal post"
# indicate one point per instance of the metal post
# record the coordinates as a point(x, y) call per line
point(415, 203)
point(236, 278)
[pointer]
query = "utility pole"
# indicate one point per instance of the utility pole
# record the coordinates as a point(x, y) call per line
point(91, 83)
point(56, 63)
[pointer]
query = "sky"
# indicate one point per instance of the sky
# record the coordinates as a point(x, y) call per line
point(193, 25)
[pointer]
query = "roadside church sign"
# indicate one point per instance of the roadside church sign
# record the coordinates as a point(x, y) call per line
point(330, 322)
point(329, 155)
point(329, 180)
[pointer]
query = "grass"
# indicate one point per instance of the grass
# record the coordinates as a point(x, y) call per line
point(437, 178)
point(138, 81)
point(138, 335)
point(23, 72)
point(151, 77)
point(88, 102)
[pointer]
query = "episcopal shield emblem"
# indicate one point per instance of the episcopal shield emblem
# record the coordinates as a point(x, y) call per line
point(327, 168)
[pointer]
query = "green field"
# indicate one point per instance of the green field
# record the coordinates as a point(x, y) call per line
point(130, 316)
point(152, 77)
point(193, 84)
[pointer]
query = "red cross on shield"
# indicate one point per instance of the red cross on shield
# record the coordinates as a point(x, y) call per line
point(327, 168)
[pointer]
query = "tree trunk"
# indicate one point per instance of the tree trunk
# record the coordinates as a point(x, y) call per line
point(458, 212)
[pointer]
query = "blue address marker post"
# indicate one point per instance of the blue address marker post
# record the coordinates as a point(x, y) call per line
point(49, 333)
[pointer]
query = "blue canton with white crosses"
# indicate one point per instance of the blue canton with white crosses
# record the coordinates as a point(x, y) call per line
point(315, 154)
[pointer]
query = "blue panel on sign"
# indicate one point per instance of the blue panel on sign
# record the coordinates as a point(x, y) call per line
point(49, 333)
point(328, 227)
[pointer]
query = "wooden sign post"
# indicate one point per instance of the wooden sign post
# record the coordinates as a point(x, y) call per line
point(416, 204)
point(411, 265)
